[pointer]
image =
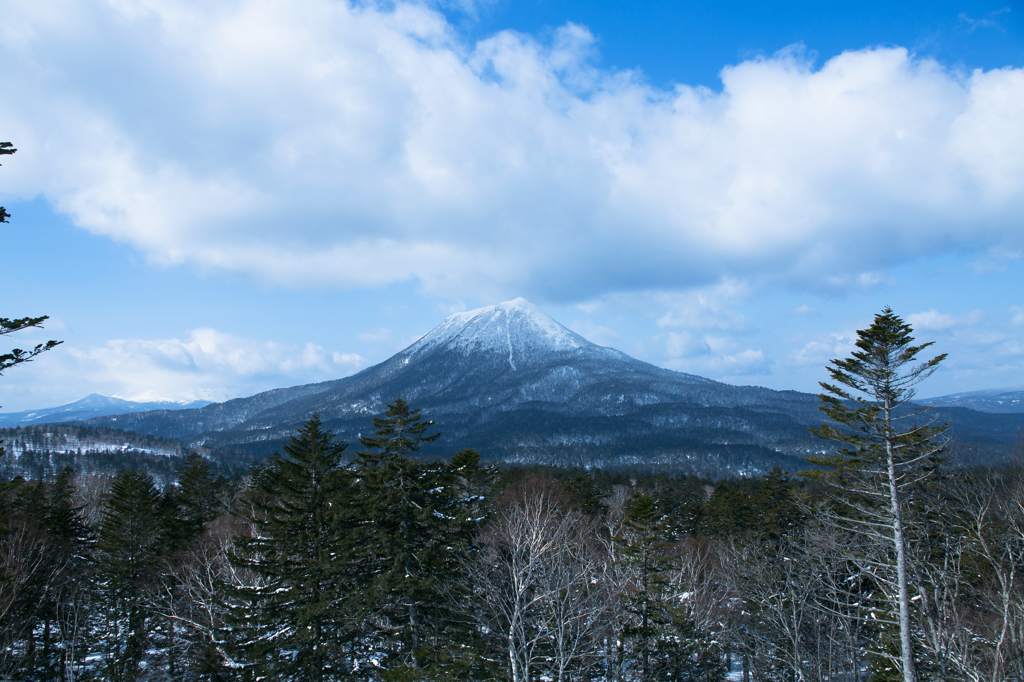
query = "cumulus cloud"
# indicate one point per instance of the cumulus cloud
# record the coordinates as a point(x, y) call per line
point(724, 362)
point(338, 145)
point(820, 351)
point(205, 365)
point(722, 357)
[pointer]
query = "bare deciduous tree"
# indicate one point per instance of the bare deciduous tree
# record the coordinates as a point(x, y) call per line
point(535, 581)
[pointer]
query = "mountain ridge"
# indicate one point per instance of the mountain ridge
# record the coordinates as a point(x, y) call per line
point(91, 406)
point(515, 384)
point(1004, 400)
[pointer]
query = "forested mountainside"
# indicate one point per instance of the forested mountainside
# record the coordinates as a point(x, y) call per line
point(512, 382)
point(41, 452)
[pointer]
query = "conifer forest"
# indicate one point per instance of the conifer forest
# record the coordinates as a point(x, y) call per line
point(322, 564)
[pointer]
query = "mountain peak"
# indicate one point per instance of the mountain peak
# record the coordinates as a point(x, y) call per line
point(516, 330)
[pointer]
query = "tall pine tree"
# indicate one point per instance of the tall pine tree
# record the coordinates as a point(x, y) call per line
point(413, 527)
point(128, 551)
point(887, 447)
point(294, 621)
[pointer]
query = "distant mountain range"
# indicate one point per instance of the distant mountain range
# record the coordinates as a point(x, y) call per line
point(1006, 400)
point(93, 405)
point(513, 383)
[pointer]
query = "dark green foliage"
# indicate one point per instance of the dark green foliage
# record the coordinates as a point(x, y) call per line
point(767, 507)
point(585, 494)
point(23, 570)
point(415, 518)
point(870, 401)
point(334, 566)
point(667, 643)
point(44, 559)
point(888, 449)
point(294, 618)
point(645, 546)
point(17, 355)
point(65, 601)
point(192, 503)
point(399, 433)
point(128, 550)
point(9, 326)
point(5, 148)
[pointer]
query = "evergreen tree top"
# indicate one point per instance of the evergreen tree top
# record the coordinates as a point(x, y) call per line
point(399, 433)
point(872, 395)
point(875, 368)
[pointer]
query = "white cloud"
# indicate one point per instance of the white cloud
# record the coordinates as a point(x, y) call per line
point(932, 320)
point(1017, 319)
point(602, 336)
point(806, 311)
point(721, 357)
point(990, 21)
point(324, 144)
point(707, 307)
point(738, 367)
point(452, 307)
point(819, 352)
point(206, 364)
point(996, 260)
point(679, 345)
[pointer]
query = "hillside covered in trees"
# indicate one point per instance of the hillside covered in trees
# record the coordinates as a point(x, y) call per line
point(389, 567)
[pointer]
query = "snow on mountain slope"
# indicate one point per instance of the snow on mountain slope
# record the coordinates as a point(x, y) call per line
point(516, 330)
point(1005, 400)
point(93, 405)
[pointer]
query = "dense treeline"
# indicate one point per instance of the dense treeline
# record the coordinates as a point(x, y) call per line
point(318, 565)
point(40, 452)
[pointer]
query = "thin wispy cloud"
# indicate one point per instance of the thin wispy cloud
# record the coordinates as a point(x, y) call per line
point(990, 20)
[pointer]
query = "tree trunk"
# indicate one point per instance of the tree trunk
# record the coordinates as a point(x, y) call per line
point(906, 644)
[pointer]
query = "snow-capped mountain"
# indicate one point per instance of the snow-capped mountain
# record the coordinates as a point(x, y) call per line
point(515, 384)
point(516, 330)
point(92, 405)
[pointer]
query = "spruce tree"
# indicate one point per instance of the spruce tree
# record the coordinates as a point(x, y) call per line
point(413, 527)
point(65, 607)
point(191, 503)
point(294, 621)
point(24, 572)
point(399, 433)
point(667, 643)
point(645, 549)
point(128, 551)
point(887, 447)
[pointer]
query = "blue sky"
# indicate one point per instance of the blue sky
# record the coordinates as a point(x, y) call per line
point(216, 198)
